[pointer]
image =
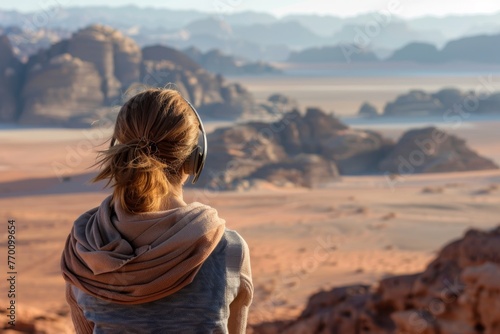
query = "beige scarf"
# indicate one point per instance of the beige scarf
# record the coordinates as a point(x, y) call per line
point(133, 259)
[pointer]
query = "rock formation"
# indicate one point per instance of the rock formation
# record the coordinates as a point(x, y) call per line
point(314, 148)
point(79, 79)
point(458, 293)
point(305, 150)
point(431, 150)
point(76, 76)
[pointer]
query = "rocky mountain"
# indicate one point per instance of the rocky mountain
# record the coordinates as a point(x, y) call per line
point(314, 148)
point(445, 103)
point(80, 79)
point(455, 294)
point(78, 75)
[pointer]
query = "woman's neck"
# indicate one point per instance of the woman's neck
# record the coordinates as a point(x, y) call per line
point(172, 202)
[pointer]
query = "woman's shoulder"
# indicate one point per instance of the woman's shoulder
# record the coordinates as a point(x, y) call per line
point(237, 252)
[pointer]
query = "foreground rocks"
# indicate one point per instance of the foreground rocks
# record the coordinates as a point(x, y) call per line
point(30, 320)
point(458, 293)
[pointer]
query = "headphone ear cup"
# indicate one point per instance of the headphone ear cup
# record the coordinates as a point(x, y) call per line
point(192, 162)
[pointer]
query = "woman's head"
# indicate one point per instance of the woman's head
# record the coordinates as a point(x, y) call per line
point(155, 133)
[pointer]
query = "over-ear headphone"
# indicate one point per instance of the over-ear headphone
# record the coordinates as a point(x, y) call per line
point(196, 160)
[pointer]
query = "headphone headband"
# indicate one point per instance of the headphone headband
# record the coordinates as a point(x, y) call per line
point(203, 156)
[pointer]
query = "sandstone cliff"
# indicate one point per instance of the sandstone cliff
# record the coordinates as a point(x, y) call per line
point(74, 89)
point(76, 79)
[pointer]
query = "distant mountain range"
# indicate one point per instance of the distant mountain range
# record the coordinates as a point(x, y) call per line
point(250, 35)
point(484, 49)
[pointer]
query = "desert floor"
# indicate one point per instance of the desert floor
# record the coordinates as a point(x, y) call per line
point(354, 231)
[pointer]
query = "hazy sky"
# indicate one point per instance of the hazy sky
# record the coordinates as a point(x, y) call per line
point(408, 8)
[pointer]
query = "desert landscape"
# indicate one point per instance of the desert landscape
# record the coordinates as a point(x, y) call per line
point(367, 185)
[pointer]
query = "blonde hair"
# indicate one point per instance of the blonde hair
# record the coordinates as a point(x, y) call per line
point(154, 134)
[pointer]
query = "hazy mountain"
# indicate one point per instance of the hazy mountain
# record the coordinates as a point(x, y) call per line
point(417, 52)
point(292, 34)
point(73, 18)
point(476, 49)
point(481, 49)
point(217, 62)
point(248, 18)
point(210, 26)
point(392, 36)
point(335, 54)
point(321, 25)
point(253, 35)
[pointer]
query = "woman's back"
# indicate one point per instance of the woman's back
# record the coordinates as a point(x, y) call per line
point(200, 307)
